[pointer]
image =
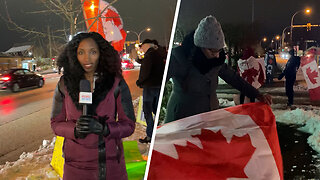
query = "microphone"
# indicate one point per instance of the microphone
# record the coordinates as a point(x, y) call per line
point(85, 95)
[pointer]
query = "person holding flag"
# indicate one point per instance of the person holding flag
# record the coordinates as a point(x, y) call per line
point(194, 68)
point(201, 142)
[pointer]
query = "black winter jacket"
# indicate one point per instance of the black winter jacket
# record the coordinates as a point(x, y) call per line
point(152, 68)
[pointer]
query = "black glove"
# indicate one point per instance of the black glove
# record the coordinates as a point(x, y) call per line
point(89, 124)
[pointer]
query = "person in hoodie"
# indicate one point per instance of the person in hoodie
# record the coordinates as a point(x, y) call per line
point(289, 73)
point(150, 79)
point(92, 147)
point(195, 67)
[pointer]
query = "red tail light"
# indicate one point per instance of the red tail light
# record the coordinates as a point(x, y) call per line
point(6, 78)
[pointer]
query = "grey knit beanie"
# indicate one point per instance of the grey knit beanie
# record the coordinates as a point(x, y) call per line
point(209, 34)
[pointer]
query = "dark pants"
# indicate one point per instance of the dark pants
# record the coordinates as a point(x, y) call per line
point(269, 79)
point(289, 90)
point(150, 103)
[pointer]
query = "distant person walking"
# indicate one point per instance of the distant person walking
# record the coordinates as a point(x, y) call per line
point(150, 79)
point(289, 73)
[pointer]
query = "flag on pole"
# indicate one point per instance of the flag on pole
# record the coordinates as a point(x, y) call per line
point(233, 143)
point(311, 74)
point(109, 24)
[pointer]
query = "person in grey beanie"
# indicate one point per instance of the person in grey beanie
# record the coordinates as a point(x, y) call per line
point(194, 68)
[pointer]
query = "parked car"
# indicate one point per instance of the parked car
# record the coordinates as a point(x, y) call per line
point(127, 64)
point(19, 78)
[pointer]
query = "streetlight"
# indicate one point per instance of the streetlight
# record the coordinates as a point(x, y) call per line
point(277, 41)
point(138, 34)
point(263, 40)
point(307, 11)
point(283, 35)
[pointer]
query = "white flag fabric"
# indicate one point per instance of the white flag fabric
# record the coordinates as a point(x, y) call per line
point(239, 142)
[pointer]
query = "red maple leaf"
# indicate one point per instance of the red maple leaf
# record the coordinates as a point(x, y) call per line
point(249, 74)
point(217, 160)
point(312, 75)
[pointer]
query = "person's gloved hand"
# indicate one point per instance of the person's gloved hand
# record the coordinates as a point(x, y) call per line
point(265, 98)
point(89, 124)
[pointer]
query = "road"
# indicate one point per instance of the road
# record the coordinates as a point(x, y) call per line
point(25, 116)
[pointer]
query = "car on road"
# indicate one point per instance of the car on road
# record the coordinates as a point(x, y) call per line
point(127, 64)
point(18, 78)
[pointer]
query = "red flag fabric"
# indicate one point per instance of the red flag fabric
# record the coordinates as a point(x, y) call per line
point(90, 11)
point(230, 143)
point(109, 25)
point(311, 74)
point(253, 71)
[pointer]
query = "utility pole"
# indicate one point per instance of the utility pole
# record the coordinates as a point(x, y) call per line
point(49, 40)
point(252, 13)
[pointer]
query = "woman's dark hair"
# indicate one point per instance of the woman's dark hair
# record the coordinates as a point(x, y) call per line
point(109, 65)
point(188, 44)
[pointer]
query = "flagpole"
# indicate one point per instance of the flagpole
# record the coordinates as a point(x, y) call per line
point(99, 14)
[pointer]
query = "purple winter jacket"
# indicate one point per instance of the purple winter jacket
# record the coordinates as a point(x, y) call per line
point(81, 155)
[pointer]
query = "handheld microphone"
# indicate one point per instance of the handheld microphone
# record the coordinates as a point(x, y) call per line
point(85, 95)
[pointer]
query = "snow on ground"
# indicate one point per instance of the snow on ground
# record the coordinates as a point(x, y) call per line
point(308, 118)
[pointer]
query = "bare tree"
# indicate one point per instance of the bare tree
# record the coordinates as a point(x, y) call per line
point(70, 12)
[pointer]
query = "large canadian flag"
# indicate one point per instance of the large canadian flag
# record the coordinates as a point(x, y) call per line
point(109, 24)
point(239, 142)
point(311, 74)
point(253, 71)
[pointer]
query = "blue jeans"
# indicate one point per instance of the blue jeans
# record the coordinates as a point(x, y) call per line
point(150, 103)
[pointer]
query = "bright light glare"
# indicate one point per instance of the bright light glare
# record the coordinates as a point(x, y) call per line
point(92, 7)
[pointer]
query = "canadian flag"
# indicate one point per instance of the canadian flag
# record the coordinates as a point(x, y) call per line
point(109, 24)
point(239, 142)
point(253, 71)
point(311, 74)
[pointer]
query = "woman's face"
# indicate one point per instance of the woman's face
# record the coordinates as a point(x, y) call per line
point(211, 53)
point(88, 55)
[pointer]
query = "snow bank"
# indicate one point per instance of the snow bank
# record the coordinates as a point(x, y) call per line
point(309, 120)
point(226, 103)
point(35, 156)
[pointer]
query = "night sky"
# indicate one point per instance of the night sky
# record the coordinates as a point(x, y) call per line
point(272, 15)
point(136, 14)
